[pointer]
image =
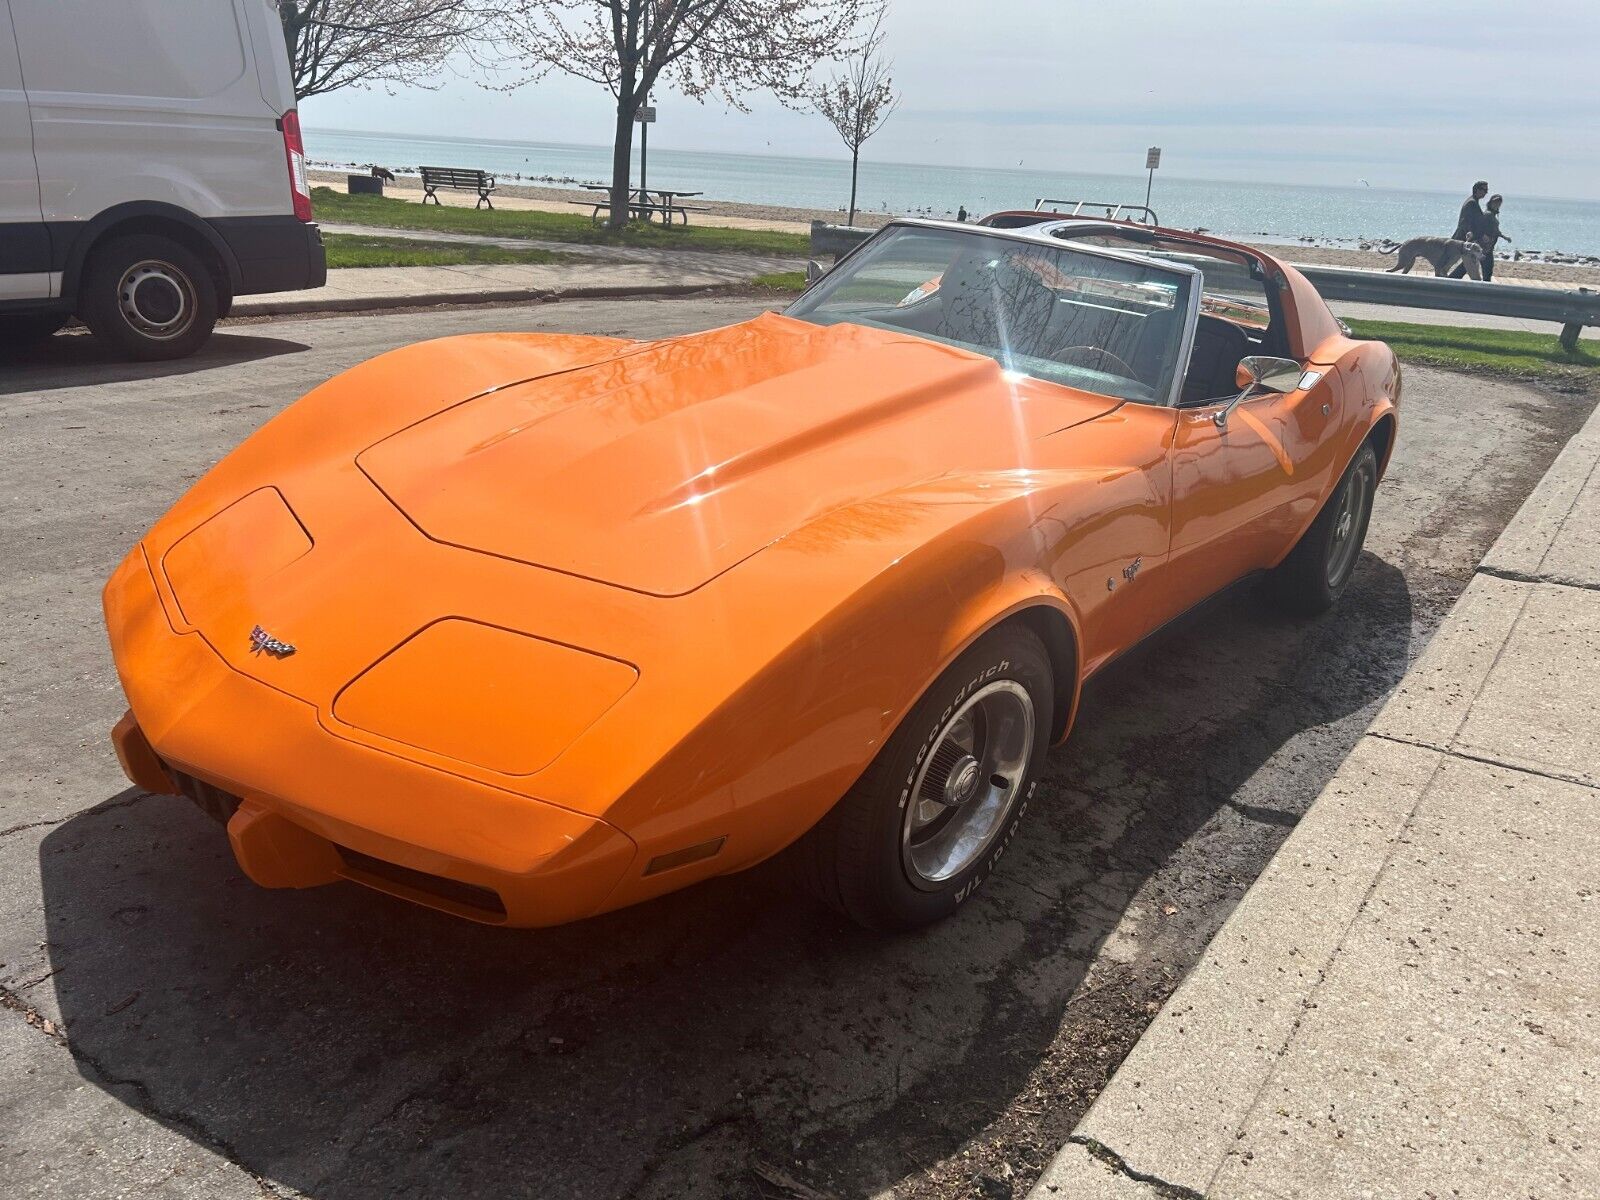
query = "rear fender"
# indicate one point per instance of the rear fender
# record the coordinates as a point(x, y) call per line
point(1370, 397)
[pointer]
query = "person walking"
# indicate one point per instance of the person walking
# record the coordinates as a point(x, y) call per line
point(1469, 224)
point(1490, 233)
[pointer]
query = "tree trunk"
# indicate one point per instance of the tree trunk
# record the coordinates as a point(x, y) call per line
point(855, 162)
point(621, 164)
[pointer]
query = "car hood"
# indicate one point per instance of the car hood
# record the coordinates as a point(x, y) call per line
point(660, 468)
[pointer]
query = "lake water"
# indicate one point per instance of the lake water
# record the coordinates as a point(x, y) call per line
point(1279, 212)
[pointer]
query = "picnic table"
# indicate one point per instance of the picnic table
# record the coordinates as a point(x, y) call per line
point(648, 203)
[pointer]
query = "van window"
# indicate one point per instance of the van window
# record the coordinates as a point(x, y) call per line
point(177, 49)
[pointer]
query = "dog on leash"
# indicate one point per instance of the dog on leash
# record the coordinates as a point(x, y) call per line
point(1444, 253)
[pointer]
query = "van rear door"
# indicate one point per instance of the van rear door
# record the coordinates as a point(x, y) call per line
point(151, 100)
point(24, 242)
point(272, 55)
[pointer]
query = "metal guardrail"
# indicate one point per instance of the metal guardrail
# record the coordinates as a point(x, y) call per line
point(1571, 309)
point(836, 239)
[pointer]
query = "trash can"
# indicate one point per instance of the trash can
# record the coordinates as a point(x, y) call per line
point(364, 185)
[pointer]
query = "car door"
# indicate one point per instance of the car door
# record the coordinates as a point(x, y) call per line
point(1243, 489)
point(24, 241)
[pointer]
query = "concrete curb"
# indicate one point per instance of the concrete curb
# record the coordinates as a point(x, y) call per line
point(1555, 535)
point(272, 307)
point(1266, 1055)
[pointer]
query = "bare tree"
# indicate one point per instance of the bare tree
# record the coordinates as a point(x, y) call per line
point(350, 43)
point(725, 48)
point(859, 101)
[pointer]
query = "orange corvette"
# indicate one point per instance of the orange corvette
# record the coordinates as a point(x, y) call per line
point(531, 627)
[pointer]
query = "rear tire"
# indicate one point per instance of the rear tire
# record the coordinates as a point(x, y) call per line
point(1318, 569)
point(149, 297)
point(29, 329)
point(925, 825)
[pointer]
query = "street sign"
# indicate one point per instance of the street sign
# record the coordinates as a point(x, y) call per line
point(1152, 158)
point(647, 115)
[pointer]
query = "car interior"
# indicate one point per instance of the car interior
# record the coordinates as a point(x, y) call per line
point(1234, 284)
point(1042, 313)
point(1115, 334)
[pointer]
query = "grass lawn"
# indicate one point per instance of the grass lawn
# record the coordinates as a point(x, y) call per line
point(1502, 352)
point(783, 281)
point(575, 226)
point(360, 250)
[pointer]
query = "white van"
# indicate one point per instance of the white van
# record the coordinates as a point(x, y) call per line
point(150, 169)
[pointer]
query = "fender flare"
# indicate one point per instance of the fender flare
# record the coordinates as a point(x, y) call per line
point(1024, 596)
point(83, 237)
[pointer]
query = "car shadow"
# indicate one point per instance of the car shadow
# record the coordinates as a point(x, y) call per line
point(77, 359)
point(348, 1045)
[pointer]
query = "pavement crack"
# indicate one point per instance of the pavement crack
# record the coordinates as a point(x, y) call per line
point(95, 810)
point(143, 1100)
point(1485, 760)
point(1103, 1152)
point(30, 825)
point(35, 1019)
point(1529, 577)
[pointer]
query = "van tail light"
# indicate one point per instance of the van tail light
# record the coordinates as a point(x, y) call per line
point(295, 151)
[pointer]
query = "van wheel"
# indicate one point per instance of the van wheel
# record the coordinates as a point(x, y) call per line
point(29, 329)
point(925, 825)
point(149, 297)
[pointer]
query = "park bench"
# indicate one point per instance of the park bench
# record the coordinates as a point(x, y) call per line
point(459, 179)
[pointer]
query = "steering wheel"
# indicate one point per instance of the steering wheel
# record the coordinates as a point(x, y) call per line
point(1127, 371)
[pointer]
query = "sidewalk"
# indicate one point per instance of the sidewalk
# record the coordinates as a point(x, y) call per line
point(1405, 1003)
point(597, 271)
point(630, 271)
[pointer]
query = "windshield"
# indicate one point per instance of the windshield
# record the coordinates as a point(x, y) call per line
point(1096, 323)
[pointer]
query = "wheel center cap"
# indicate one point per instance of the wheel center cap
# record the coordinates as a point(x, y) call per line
point(963, 782)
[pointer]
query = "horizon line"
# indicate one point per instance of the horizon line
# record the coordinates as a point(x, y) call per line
point(804, 158)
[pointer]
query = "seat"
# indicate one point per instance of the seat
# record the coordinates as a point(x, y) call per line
point(1214, 361)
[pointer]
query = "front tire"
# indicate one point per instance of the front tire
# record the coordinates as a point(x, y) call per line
point(149, 297)
point(925, 825)
point(1318, 569)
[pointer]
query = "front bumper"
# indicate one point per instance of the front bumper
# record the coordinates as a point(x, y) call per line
point(314, 807)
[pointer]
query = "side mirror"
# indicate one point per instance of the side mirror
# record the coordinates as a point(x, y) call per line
point(814, 271)
point(1260, 373)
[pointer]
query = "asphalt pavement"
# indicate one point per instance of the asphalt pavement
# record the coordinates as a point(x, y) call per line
point(172, 1030)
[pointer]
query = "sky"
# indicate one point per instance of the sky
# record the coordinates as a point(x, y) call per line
point(1425, 94)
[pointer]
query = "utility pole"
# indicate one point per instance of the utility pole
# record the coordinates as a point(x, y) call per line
point(646, 116)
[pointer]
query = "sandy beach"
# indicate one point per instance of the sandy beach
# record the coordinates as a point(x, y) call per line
point(798, 220)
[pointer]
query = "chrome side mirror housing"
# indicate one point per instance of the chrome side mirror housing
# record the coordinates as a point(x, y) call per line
point(1261, 373)
point(814, 271)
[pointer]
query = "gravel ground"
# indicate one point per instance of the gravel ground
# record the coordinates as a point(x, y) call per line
point(181, 1032)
